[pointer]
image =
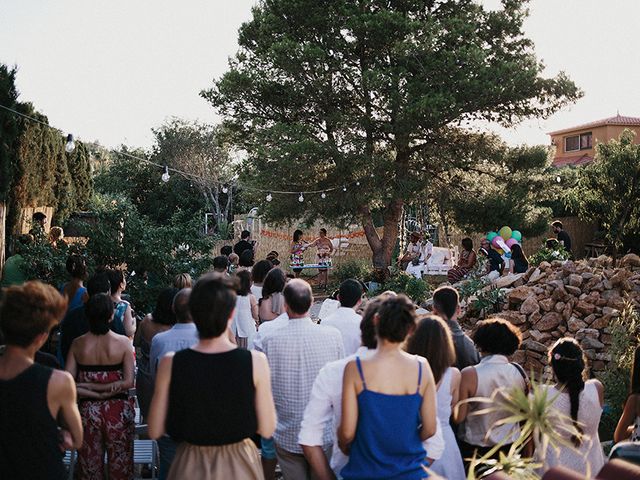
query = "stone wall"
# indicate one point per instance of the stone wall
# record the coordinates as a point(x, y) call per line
point(577, 299)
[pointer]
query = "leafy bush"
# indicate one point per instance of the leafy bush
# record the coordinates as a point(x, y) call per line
point(357, 269)
point(470, 287)
point(489, 300)
point(616, 378)
point(417, 290)
point(548, 255)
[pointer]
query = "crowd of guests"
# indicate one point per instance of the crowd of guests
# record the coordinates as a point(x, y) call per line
point(233, 376)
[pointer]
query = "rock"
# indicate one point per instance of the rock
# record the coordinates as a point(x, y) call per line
point(575, 324)
point(575, 280)
point(600, 323)
point(559, 307)
point(508, 280)
point(597, 365)
point(585, 308)
point(519, 294)
point(566, 312)
point(539, 336)
point(591, 343)
point(613, 312)
point(605, 357)
point(536, 276)
point(569, 268)
point(519, 357)
point(549, 321)
point(546, 304)
point(630, 260)
point(587, 332)
point(621, 280)
point(535, 346)
point(513, 317)
point(575, 291)
point(589, 319)
point(529, 306)
point(544, 265)
point(587, 275)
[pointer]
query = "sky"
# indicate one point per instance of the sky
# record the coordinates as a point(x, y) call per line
point(111, 70)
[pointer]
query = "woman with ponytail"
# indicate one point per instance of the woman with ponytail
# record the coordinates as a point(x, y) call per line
point(581, 401)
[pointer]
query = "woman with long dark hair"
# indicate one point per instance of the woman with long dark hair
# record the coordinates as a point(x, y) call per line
point(297, 248)
point(74, 289)
point(519, 262)
point(581, 403)
point(466, 262)
point(629, 424)
point(432, 340)
point(271, 304)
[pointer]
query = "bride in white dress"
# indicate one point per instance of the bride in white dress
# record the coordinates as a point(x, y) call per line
point(580, 401)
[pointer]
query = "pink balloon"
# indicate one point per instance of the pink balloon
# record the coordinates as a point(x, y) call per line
point(511, 242)
point(496, 240)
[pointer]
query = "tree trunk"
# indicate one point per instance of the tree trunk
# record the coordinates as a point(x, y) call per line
point(382, 248)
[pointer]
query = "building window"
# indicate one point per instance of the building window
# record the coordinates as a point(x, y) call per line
point(578, 142)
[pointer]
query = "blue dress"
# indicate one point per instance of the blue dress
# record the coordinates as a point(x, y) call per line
point(76, 301)
point(387, 443)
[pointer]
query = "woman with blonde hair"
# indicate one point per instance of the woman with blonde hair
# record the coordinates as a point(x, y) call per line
point(182, 280)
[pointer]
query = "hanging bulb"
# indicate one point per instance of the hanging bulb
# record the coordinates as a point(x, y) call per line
point(344, 189)
point(301, 198)
point(558, 179)
point(323, 195)
point(373, 175)
point(269, 197)
point(70, 146)
point(358, 183)
point(165, 176)
point(224, 189)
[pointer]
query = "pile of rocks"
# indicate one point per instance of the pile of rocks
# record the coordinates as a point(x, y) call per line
point(578, 299)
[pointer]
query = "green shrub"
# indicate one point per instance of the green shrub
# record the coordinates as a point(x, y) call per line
point(356, 269)
point(548, 255)
point(616, 378)
point(417, 290)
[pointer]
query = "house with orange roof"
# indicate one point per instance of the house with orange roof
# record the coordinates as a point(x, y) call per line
point(576, 145)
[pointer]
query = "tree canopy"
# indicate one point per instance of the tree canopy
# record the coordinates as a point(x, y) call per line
point(608, 189)
point(365, 94)
point(35, 168)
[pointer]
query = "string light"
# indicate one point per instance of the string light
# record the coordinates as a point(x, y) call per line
point(344, 189)
point(323, 195)
point(558, 179)
point(70, 146)
point(165, 176)
point(301, 198)
point(358, 183)
point(269, 197)
point(224, 189)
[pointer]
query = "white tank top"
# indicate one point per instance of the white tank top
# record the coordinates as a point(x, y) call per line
point(494, 372)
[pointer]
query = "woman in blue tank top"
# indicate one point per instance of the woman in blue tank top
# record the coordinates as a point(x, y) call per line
point(388, 404)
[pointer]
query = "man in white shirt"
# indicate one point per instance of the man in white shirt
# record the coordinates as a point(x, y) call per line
point(345, 318)
point(325, 407)
point(296, 353)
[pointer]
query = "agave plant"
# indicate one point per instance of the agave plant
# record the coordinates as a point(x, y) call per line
point(539, 423)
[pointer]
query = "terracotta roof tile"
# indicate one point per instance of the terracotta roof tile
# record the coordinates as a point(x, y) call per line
point(572, 161)
point(617, 120)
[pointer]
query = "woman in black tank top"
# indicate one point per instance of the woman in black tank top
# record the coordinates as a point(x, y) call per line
point(213, 397)
point(33, 396)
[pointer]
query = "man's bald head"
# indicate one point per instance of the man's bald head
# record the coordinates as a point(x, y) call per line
point(298, 297)
point(181, 306)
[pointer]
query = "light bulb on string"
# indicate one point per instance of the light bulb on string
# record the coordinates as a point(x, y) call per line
point(558, 179)
point(323, 195)
point(301, 198)
point(344, 189)
point(358, 183)
point(269, 197)
point(165, 176)
point(224, 189)
point(70, 146)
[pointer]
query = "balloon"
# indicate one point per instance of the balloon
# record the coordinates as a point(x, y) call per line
point(511, 242)
point(500, 251)
point(495, 241)
point(517, 235)
point(506, 233)
point(491, 236)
